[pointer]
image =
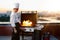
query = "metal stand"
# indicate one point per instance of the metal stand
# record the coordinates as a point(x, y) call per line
point(37, 35)
point(26, 33)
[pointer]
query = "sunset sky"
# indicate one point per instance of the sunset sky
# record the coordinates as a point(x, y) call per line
point(39, 5)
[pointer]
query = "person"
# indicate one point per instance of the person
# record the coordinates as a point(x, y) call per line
point(15, 20)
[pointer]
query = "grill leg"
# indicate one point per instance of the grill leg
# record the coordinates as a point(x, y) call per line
point(37, 35)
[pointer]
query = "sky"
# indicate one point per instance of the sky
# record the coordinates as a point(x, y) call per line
point(39, 5)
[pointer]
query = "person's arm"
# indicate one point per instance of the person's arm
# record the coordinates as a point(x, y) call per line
point(13, 23)
point(15, 30)
point(12, 20)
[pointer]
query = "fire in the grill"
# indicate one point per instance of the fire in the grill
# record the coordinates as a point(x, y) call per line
point(26, 23)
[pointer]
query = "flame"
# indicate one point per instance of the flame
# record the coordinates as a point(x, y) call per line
point(27, 23)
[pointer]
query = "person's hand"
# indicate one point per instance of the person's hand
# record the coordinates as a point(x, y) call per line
point(15, 30)
point(20, 23)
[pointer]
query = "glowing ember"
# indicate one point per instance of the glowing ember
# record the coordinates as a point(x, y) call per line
point(27, 23)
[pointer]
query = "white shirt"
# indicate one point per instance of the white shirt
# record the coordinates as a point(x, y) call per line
point(14, 18)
